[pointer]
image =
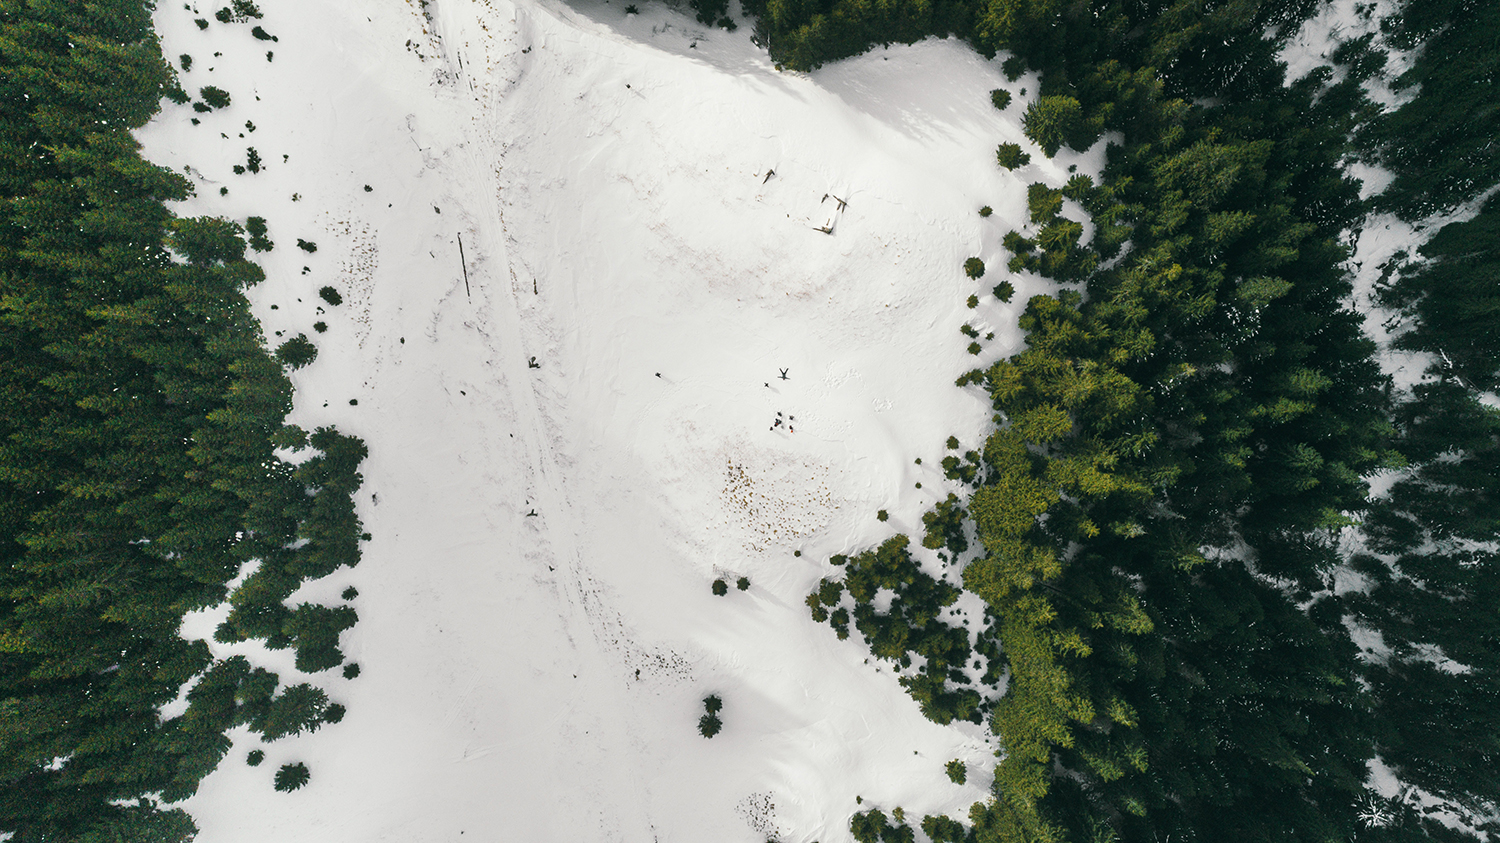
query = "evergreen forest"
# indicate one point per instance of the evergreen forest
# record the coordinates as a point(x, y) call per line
point(1177, 539)
point(145, 462)
point(1172, 521)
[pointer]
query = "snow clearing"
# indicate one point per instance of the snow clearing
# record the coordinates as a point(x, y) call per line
point(625, 310)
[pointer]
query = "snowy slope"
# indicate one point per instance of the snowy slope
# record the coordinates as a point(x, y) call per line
point(537, 630)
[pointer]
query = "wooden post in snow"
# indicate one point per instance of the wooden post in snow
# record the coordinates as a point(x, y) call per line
point(465, 264)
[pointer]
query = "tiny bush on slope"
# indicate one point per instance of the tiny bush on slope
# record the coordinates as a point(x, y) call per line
point(292, 776)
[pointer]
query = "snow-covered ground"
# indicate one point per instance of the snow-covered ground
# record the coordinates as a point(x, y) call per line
point(570, 443)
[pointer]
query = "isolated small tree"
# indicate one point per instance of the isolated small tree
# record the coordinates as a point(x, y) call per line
point(712, 704)
point(974, 268)
point(972, 302)
point(351, 670)
point(721, 588)
point(839, 620)
point(307, 246)
point(334, 713)
point(320, 326)
point(256, 228)
point(349, 593)
point(330, 295)
point(214, 97)
point(743, 583)
point(1004, 291)
point(1010, 156)
point(957, 772)
point(255, 757)
point(975, 348)
point(709, 725)
point(986, 211)
point(882, 515)
point(292, 776)
point(297, 352)
point(1000, 98)
point(186, 61)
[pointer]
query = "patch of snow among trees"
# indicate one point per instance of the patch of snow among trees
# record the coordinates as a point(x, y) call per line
point(577, 418)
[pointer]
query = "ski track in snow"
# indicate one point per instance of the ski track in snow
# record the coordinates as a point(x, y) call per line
point(536, 627)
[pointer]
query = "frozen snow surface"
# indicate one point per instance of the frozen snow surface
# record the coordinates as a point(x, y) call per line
point(573, 427)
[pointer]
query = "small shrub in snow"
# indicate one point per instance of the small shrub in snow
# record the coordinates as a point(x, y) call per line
point(214, 97)
point(986, 211)
point(975, 348)
point(256, 228)
point(968, 331)
point(709, 725)
point(720, 588)
point(252, 160)
point(262, 35)
point(1004, 291)
point(974, 268)
point(297, 352)
point(743, 583)
point(334, 713)
point(292, 776)
point(330, 295)
point(1000, 98)
point(1013, 68)
point(306, 245)
point(957, 772)
point(350, 593)
point(882, 515)
point(632, 10)
point(712, 704)
point(839, 620)
point(202, 23)
point(255, 757)
point(351, 670)
point(320, 327)
point(1010, 156)
point(186, 61)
